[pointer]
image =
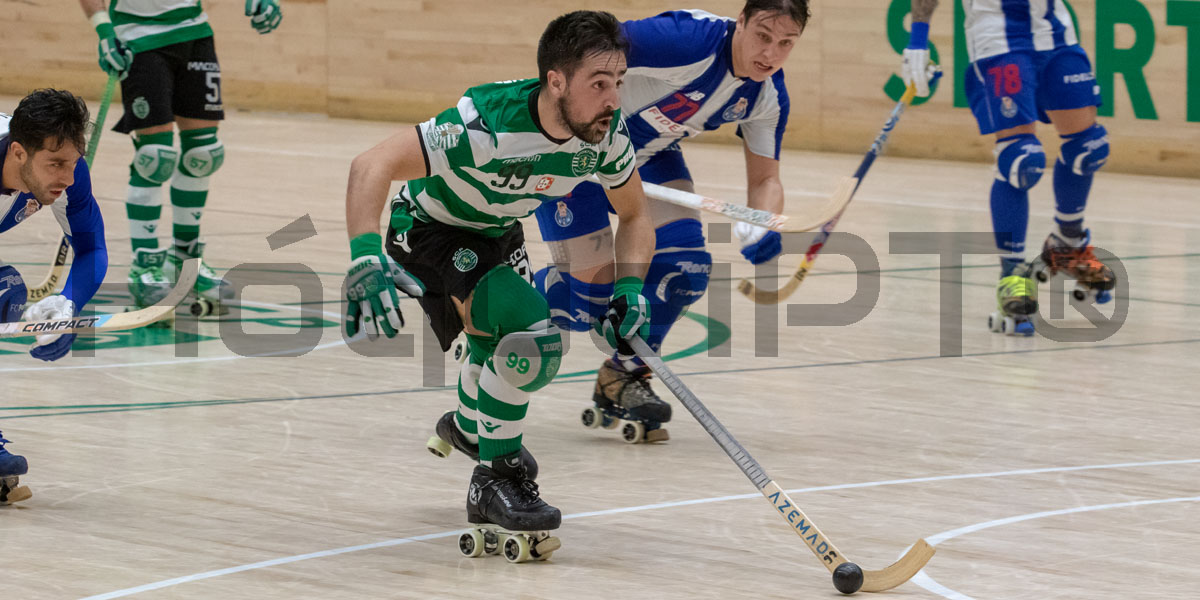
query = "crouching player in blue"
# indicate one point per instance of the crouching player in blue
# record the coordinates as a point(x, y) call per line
point(689, 72)
point(1026, 66)
point(41, 146)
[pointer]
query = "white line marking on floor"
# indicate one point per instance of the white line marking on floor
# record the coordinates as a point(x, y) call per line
point(924, 580)
point(612, 511)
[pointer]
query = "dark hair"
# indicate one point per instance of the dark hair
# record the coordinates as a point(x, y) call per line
point(49, 117)
point(575, 36)
point(796, 10)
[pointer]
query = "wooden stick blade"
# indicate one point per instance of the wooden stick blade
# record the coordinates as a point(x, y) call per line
point(900, 571)
point(114, 321)
point(833, 208)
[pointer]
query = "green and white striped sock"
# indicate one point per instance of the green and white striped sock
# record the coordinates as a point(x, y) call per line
point(502, 409)
point(189, 194)
point(143, 205)
point(468, 400)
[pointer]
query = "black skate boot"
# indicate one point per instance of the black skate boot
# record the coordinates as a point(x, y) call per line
point(623, 398)
point(12, 467)
point(507, 512)
point(449, 437)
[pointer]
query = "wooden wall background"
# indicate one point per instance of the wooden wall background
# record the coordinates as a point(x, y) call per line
point(408, 59)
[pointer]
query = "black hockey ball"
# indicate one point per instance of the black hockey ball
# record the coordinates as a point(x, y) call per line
point(847, 578)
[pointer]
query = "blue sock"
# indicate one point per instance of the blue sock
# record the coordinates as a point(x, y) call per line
point(1070, 198)
point(1010, 219)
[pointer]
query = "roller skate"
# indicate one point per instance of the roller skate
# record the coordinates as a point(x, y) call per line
point(1016, 299)
point(1094, 281)
point(211, 295)
point(449, 438)
point(11, 468)
point(507, 515)
point(148, 283)
point(623, 398)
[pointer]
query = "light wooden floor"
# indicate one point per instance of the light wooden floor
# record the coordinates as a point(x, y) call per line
point(1041, 469)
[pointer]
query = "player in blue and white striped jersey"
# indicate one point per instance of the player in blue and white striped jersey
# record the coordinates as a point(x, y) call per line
point(689, 72)
point(41, 146)
point(41, 149)
point(1026, 66)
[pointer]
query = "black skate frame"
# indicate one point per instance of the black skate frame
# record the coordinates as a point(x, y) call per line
point(873, 581)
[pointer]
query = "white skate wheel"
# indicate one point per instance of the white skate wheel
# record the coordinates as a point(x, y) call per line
point(994, 322)
point(633, 432)
point(591, 417)
point(200, 308)
point(439, 447)
point(1008, 326)
point(516, 549)
point(471, 543)
point(460, 352)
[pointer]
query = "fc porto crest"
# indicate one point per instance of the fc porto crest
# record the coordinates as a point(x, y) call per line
point(736, 111)
point(31, 206)
point(563, 216)
point(1008, 108)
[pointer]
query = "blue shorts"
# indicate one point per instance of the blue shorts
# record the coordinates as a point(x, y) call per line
point(1017, 88)
point(585, 210)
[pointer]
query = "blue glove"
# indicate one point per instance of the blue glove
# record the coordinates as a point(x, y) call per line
point(759, 244)
point(915, 68)
point(54, 350)
point(52, 346)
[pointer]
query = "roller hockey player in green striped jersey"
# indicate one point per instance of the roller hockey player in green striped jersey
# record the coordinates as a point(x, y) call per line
point(455, 243)
point(164, 53)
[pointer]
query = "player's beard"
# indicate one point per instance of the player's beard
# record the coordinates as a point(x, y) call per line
point(39, 190)
point(592, 131)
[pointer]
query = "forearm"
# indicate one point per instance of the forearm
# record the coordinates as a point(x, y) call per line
point(87, 272)
point(922, 10)
point(634, 243)
point(366, 195)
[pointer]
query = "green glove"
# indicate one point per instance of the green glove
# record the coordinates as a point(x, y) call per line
point(628, 315)
point(115, 57)
point(265, 15)
point(371, 289)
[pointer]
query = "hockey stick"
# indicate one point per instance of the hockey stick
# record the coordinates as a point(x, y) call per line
point(842, 198)
point(50, 283)
point(737, 212)
point(112, 321)
point(873, 581)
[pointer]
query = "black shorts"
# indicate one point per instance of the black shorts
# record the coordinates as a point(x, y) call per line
point(450, 261)
point(182, 79)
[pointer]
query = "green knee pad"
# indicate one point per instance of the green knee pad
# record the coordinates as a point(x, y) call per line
point(202, 153)
point(527, 348)
point(154, 159)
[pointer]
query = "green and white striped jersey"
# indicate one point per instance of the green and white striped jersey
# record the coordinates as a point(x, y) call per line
point(150, 24)
point(491, 163)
